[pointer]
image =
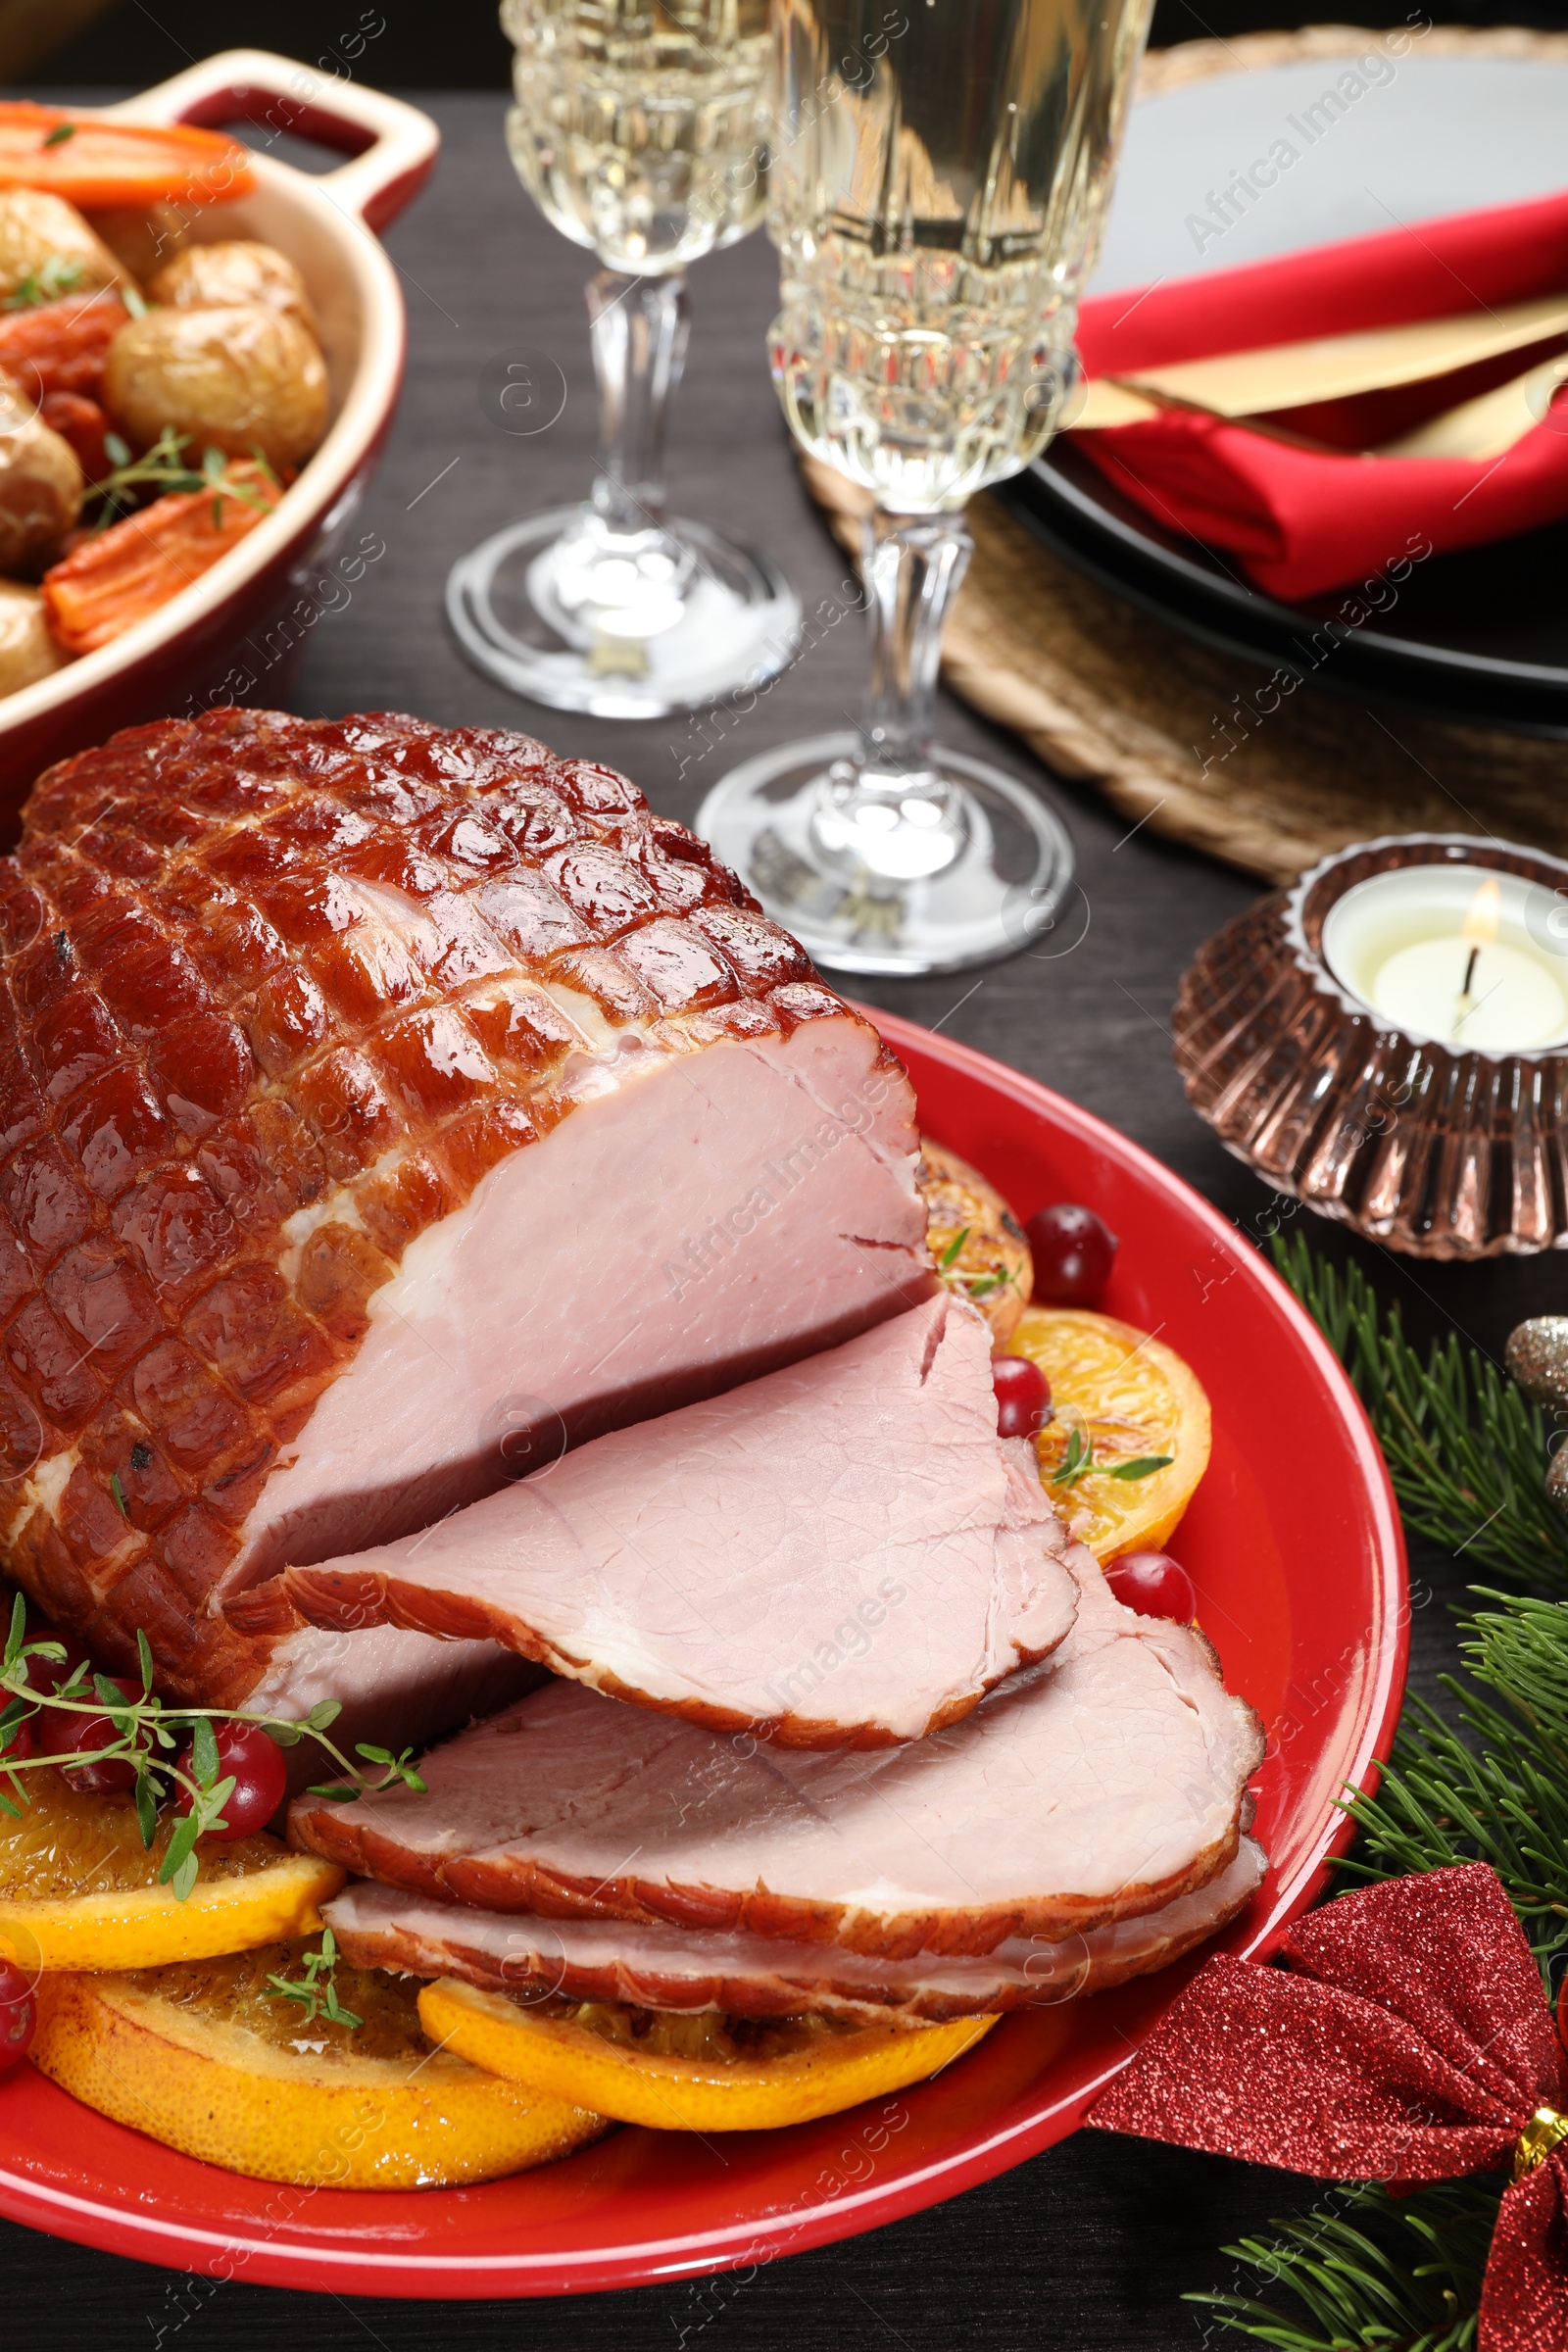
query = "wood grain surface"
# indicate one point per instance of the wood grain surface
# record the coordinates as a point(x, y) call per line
point(1088, 2247)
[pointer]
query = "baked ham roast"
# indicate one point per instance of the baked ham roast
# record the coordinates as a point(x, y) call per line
point(659, 1967)
point(1100, 1786)
point(387, 1109)
point(841, 1553)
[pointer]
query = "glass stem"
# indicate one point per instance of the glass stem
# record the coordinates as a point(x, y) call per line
point(912, 565)
point(640, 326)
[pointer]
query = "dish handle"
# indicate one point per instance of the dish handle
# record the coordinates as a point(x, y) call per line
point(393, 146)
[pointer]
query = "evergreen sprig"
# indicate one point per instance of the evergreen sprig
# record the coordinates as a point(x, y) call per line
point(1466, 1449)
point(1467, 1454)
point(1379, 2273)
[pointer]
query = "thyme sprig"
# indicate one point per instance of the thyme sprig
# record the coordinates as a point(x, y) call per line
point(152, 1735)
point(317, 1990)
point(1079, 1459)
point(165, 469)
point(55, 276)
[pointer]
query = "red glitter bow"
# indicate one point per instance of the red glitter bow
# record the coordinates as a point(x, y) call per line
point(1409, 2041)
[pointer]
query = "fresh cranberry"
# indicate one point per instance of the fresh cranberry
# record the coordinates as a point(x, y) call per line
point(261, 1779)
point(85, 1733)
point(1153, 1583)
point(19, 2017)
point(20, 1742)
point(1023, 1395)
point(1073, 1252)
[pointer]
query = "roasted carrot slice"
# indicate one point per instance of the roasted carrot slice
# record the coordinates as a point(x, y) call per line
point(123, 574)
point(92, 161)
point(83, 423)
point(61, 346)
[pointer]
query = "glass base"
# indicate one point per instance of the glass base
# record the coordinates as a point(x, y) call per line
point(784, 822)
point(628, 626)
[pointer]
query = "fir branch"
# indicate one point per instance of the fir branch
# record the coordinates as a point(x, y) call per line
point(1466, 1449)
point(1467, 1454)
point(1380, 2273)
point(1493, 1788)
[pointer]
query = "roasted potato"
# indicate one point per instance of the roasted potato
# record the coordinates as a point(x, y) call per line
point(977, 1242)
point(26, 649)
point(41, 486)
point(145, 237)
point(47, 247)
point(238, 381)
point(217, 278)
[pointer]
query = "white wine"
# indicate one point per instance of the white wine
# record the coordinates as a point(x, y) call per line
point(938, 175)
point(640, 127)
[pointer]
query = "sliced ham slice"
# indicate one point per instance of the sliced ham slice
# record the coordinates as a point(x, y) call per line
point(759, 1976)
point(1093, 1788)
point(383, 1108)
point(844, 1553)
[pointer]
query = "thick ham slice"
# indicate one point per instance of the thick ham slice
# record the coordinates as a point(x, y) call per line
point(1097, 1787)
point(842, 1553)
point(381, 1109)
point(761, 1976)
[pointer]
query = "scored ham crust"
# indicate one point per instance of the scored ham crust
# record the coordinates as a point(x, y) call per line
point(384, 1107)
point(759, 1976)
point(842, 1553)
point(1100, 1785)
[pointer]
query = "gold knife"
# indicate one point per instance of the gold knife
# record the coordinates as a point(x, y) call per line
point(1289, 376)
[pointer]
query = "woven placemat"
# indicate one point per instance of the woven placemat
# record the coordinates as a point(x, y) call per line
point(1102, 692)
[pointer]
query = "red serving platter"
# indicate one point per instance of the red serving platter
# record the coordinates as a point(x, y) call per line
point(1293, 1542)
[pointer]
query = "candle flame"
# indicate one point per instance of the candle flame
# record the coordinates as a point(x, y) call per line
point(1481, 924)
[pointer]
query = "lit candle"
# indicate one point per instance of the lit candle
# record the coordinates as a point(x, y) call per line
point(1447, 954)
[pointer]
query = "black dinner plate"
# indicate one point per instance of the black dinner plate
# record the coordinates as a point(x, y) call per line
point(1478, 637)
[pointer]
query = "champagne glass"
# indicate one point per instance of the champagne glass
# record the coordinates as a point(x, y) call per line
point(938, 175)
point(640, 130)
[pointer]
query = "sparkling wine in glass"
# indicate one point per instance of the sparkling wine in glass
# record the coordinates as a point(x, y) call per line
point(938, 177)
point(640, 130)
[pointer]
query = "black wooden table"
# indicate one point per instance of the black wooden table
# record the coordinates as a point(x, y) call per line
point(1088, 2247)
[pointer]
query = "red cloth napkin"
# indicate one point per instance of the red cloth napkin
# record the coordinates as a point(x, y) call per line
point(1301, 523)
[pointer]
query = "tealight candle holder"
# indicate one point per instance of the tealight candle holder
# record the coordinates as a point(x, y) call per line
point(1387, 1043)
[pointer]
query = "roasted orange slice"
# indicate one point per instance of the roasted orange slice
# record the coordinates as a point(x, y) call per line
point(198, 2057)
point(1121, 1400)
point(698, 2073)
point(80, 1891)
point(977, 1242)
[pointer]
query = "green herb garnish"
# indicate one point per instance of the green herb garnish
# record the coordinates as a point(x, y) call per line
point(152, 1735)
point(317, 1990)
point(54, 277)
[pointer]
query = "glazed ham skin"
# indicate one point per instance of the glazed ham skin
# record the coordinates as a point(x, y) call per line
point(759, 1976)
point(384, 1107)
point(842, 1553)
point(1100, 1785)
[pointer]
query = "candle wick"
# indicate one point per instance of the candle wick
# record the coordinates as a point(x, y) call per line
point(1470, 972)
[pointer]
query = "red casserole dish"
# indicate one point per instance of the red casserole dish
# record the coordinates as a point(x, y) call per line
point(235, 634)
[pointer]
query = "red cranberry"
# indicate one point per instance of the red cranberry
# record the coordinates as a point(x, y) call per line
point(19, 2017)
point(1073, 1252)
point(20, 1742)
point(1153, 1583)
point(87, 1731)
point(1023, 1395)
point(261, 1779)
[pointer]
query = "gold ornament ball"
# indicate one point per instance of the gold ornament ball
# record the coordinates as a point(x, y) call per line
point(1536, 1358)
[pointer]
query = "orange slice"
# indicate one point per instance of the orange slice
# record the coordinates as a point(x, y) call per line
point(196, 2057)
point(696, 2072)
point(80, 1891)
point(978, 1244)
point(1130, 1399)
